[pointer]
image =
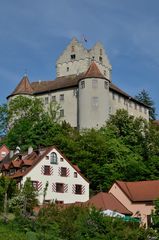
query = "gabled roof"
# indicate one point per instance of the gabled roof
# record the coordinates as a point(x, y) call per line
point(93, 72)
point(105, 201)
point(24, 87)
point(140, 191)
point(31, 160)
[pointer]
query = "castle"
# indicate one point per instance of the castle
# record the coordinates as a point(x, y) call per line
point(83, 87)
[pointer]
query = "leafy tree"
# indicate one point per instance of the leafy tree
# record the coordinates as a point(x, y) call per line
point(145, 98)
point(3, 118)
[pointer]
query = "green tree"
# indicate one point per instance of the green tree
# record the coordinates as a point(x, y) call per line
point(145, 98)
point(3, 118)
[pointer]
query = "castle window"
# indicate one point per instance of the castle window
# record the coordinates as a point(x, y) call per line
point(54, 98)
point(101, 52)
point(73, 56)
point(46, 170)
point(83, 84)
point(60, 187)
point(46, 100)
point(61, 97)
point(100, 59)
point(130, 104)
point(72, 48)
point(94, 83)
point(62, 113)
point(78, 189)
point(68, 69)
point(53, 158)
point(95, 101)
point(106, 84)
point(113, 95)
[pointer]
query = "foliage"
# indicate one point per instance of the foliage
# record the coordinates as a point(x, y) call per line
point(145, 98)
point(25, 200)
point(3, 118)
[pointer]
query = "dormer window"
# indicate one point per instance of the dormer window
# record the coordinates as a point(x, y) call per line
point(53, 158)
point(73, 56)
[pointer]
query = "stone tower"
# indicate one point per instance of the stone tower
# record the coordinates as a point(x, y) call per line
point(76, 59)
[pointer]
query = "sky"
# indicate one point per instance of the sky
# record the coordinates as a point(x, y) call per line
point(34, 33)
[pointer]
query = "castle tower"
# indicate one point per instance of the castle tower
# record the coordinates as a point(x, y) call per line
point(93, 99)
point(76, 59)
point(23, 88)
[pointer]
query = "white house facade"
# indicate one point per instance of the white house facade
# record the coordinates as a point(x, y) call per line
point(66, 184)
point(83, 87)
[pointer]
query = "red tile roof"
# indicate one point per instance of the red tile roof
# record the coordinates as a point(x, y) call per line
point(140, 191)
point(105, 201)
point(93, 72)
point(24, 87)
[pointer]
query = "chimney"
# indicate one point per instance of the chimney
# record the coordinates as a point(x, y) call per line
point(11, 153)
point(30, 150)
point(17, 150)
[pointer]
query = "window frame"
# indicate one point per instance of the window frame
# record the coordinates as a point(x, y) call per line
point(59, 187)
point(53, 158)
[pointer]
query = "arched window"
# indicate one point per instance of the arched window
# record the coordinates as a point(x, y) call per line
point(53, 158)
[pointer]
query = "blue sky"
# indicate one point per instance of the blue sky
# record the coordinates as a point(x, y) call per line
point(34, 32)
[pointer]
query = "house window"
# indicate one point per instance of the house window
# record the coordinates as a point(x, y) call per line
point(47, 157)
point(62, 113)
point(68, 69)
point(46, 170)
point(83, 84)
point(63, 172)
point(94, 83)
point(100, 59)
point(75, 174)
point(54, 98)
point(35, 184)
point(23, 169)
point(53, 158)
point(3, 154)
point(113, 95)
point(61, 97)
point(46, 100)
point(59, 202)
point(12, 171)
point(60, 187)
point(95, 101)
point(78, 189)
point(73, 56)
